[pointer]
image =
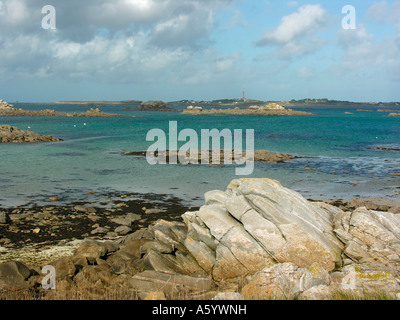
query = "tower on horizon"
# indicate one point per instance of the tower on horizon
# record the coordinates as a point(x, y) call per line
point(243, 97)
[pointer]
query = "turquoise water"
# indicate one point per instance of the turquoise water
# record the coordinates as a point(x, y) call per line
point(341, 148)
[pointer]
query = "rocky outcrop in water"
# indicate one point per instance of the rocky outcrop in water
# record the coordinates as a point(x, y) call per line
point(9, 134)
point(207, 156)
point(257, 238)
point(12, 112)
point(269, 110)
point(5, 106)
point(154, 106)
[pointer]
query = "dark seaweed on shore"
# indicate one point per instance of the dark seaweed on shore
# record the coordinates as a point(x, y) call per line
point(48, 225)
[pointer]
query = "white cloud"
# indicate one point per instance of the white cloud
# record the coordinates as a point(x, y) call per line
point(365, 56)
point(306, 20)
point(306, 73)
point(383, 12)
point(292, 4)
point(379, 11)
point(350, 39)
point(122, 41)
point(238, 20)
point(293, 35)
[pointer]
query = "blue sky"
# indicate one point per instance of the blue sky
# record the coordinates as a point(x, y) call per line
point(199, 49)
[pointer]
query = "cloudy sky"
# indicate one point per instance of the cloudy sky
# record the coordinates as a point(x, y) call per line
point(199, 49)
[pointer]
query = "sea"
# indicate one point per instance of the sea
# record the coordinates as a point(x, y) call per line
point(339, 155)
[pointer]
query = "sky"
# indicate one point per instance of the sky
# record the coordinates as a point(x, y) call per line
point(171, 50)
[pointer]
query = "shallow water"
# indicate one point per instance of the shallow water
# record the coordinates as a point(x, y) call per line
point(340, 148)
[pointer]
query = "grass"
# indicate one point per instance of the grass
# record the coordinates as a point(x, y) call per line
point(370, 295)
point(93, 293)
point(118, 293)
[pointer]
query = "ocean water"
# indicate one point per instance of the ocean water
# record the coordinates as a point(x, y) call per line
point(334, 150)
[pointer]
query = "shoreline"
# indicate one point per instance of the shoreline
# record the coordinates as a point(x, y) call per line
point(32, 234)
point(176, 251)
point(40, 234)
point(96, 113)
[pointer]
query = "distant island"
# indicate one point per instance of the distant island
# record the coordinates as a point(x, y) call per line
point(99, 103)
point(8, 110)
point(151, 106)
point(272, 109)
point(286, 104)
point(243, 102)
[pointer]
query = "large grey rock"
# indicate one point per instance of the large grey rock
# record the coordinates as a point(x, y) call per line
point(283, 280)
point(13, 275)
point(257, 223)
point(64, 267)
point(171, 283)
point(92, 250)
point(315, 276)
point(321, 292)
point(230, 296)
point(367, 277)
point(371, 237)
point(122, 230)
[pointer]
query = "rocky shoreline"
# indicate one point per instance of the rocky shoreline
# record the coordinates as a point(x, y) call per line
point(9, 134)
point(52, 113)
point(257, 240)
point(43, 227)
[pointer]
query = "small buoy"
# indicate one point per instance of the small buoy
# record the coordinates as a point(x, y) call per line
point(74, 125)
point(29, 127)
point(84, 124)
